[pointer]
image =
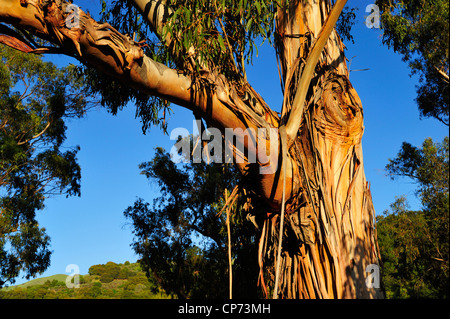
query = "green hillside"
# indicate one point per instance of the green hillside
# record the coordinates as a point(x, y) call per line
point(105, 281)
point(38, 281)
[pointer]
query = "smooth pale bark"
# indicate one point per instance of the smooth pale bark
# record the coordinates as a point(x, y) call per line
point(155, 12)
point(329, 236)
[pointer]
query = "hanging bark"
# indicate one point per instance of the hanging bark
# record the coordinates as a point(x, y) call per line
point(328, 237)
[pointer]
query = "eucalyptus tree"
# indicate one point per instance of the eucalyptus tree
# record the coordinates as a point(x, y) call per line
point(419, 30)
point(36, 100)
point(318, 238)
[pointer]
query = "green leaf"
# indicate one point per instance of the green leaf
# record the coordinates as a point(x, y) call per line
point(187, 14)
point(263, 32)
point(221, 43)
point(185, 42)
point(103, 6)
point(258, 7)
point(249, 23)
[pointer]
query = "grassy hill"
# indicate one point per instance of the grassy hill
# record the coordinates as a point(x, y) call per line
point(106, 281)
point(38, 281)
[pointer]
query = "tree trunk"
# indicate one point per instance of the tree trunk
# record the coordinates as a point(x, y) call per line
point(329, 233)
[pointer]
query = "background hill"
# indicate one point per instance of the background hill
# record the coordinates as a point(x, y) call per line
point(104, 281)
point(37, 282)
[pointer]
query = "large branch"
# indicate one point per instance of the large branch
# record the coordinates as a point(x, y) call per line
point(100, 46)
point(155, 12)
point(104, 48)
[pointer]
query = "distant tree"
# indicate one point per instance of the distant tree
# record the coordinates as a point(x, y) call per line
point(111, 271)
point(187, 210)
point(419, 31)
point(124, 273)
point(107, 272)
point(36, 98)
point(96, 270)
point(414, 245)
point(96, 290)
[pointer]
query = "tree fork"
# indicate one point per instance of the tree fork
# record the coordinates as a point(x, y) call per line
point(100, 46)
point(328, 238)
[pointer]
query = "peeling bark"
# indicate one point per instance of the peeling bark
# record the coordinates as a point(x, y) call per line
point(328, 239)
point(330, 235)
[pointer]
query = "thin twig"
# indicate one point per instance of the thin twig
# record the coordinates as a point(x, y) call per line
point(280, 236)
point(227, 201)
point(230, 271)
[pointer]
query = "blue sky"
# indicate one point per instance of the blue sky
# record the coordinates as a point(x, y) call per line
point(91, 229)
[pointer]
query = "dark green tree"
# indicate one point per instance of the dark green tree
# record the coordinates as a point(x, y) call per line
point(108, 272)
point(182, 238)
point(36, 98)
point(414, 245)
point(419, 31)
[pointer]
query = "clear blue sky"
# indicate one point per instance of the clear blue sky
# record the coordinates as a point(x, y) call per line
point(92, 230)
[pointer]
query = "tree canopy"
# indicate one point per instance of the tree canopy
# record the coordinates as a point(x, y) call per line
point(419, 31)
point(414, 244)
point(182, 238)
point(36, 98)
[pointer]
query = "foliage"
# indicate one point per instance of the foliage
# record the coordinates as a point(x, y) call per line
point(419, 31)
point(181, 239)
point(414, 245)
point(427, 166)
point(129, 282)
point(224, 33)
point(115, 95)
point(346, 22)
point(36, 99)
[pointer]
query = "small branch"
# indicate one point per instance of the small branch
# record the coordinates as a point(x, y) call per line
point(36, 136)
point(280, 235)
point(229, 248)
point(229, 46)
point(445, 77)
point(296, 114)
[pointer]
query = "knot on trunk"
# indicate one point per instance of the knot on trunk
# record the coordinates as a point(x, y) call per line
point(337, 109)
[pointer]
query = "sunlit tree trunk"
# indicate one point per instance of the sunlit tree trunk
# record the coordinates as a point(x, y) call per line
point(328, 237)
